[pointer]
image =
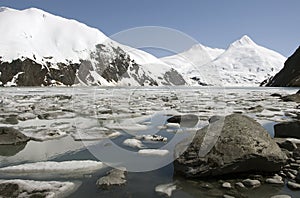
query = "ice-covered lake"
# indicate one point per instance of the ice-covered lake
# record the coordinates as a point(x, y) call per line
point(118, 126)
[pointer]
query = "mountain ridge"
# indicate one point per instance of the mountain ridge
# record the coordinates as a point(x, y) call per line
point(243, 63)
point(61, 46)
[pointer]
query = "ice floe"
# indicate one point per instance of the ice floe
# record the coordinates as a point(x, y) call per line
point(51, 169)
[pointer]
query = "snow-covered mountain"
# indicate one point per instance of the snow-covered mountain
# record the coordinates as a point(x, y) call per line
point(38, 48)
point(197, 55)
point(243, 63)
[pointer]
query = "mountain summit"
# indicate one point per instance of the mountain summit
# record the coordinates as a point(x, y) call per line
point(39, 48)
point(243, 63)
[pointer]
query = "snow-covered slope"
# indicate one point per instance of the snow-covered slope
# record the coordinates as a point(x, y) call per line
point(60, 44)
point(197, 55)
point(243, 63)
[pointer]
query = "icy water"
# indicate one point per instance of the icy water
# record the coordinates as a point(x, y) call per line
point(92, 124)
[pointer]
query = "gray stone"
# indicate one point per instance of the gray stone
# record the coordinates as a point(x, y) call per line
point(10, 136)
point(293, 185)
point(274, 181)
point(240, 185)
point(286, 144)
point(241, 145)
point(251, 183)
point(114, 177)
point(298, 177)
point(228, 196)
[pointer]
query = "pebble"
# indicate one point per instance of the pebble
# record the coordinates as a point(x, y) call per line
point(293, 185)
point(274, 181)
point(281, 196)
point(251, 183)
point(226, 185)
point(240, 185)
point(228, 196)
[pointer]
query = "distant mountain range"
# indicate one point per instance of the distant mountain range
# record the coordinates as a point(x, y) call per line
point(243, 63)
point(38, 48)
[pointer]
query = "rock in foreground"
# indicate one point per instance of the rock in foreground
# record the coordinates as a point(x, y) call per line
point(243, 146)
point(10, 136)
point(287, 130)
point(114, 177)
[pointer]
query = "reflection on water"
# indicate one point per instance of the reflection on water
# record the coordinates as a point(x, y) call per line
point(40, 151)
point(115, 109)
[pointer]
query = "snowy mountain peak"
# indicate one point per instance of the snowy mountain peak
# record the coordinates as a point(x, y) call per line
point(63, 51)
point(3, 9)
point(244, 41)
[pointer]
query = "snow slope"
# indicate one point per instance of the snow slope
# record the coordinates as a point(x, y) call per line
point(243, 63)
point(197, 55)
point(50, 40)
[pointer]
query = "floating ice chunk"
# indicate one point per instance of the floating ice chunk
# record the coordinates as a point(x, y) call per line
point(166, 189)
point(48, 189)
point(50, 168)
point(173, 125)
point(152, 152)
point(133, 143)
point(156, 138)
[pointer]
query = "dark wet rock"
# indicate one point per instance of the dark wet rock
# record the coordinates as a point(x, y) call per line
point(293, 185)
point(242, 145)
point(286, 144)
point(9, 190)
point(10, 136)
point(296, 154)
point(251, 183)
point(298, 177)
point(114, 177)
point(188, 120)
point(287, 130)
point(11, 120)
point(291, 98)
point(276, 95)
point(289, 76)
point(11, 150)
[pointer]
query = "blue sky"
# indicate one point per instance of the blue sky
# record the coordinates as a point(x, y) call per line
point(216, 23)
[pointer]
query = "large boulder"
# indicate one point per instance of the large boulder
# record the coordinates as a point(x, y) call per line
point(10, 136)
point(241, 145)
point(289, 76)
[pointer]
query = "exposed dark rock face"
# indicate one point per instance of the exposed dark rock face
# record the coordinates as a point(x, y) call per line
point(242, 146)
point(287, 129)
point(173, 77)
point(10, 135)
point(289, 76)
point(26, 73)
point(111, 63)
